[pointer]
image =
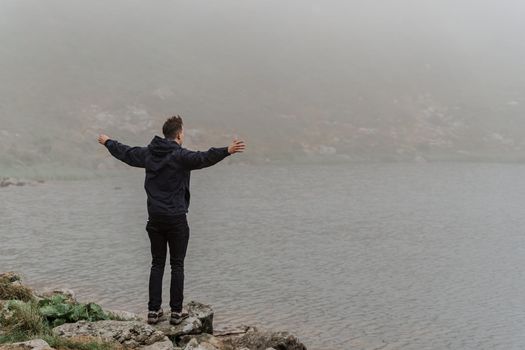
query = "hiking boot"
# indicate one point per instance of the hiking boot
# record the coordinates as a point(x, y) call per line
point(154, 316)
point(177, 317)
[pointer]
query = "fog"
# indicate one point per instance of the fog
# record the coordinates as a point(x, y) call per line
point(403, 80)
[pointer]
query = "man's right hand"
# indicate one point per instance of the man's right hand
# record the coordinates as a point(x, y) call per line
point(237, 146)
point(102, 139)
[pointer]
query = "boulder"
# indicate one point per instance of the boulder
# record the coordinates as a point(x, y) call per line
point(255, 339)
point(132, 334)
point(204, 313)
point(199, 320)
point(36, 344)
point(252, 339)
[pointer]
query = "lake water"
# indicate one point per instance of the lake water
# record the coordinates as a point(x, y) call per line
point(364, 256)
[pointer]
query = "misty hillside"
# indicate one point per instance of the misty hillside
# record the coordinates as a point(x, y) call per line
point(336, 80)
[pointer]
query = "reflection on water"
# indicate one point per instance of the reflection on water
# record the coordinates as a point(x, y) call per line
point(370, 256)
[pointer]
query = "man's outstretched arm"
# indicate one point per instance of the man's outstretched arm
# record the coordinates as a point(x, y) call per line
point(134, 156)
point(198, 160)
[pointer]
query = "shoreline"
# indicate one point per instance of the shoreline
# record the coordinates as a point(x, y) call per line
point(94, 296)
point(29, 317)
point(45, 173)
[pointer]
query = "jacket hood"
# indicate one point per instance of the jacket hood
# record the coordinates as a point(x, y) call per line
point(161, 147)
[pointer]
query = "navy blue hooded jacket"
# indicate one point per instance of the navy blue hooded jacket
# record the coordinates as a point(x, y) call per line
point(168, 167)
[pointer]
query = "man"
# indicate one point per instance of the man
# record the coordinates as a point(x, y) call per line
point(168, 166)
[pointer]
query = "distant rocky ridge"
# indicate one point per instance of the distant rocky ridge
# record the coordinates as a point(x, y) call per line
point(129, 331)
point(414, 128)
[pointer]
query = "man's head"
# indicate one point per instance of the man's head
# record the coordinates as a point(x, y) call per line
point(173, 129)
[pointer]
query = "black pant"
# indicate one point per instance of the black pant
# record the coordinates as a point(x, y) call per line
point(172, 231)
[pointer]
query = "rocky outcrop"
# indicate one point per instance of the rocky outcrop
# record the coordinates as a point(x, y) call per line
point(189, 335)
point(132, 334)
point(127, 330)
point(135, 333)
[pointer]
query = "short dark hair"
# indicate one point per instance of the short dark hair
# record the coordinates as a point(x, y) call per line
point(172, 127)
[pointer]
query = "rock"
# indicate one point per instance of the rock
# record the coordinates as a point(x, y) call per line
point(261, 340)
point(36, 344)
point(252, 340)
point(190, 325)
point(10, 181)
point(119, 315)
point(161, 345)
point(11, 288)
point(199, 320)
point(131, 334)
point(7, 181)
point(195, 345)
point(201, 339)
point(231, 331)
point(204, 313)
point(10, 276)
